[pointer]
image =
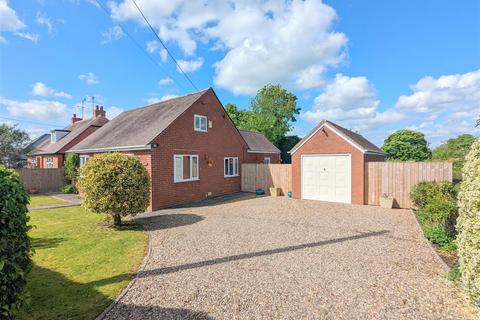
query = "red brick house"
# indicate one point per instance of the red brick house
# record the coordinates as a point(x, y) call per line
point(189, 146)
point(328, 164)
point(51, 152)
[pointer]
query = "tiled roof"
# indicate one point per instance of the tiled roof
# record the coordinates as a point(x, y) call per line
point(138, 127)
point(257, 142)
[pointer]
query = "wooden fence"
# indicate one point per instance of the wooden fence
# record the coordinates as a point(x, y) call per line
point(43, 180)
point(397, 179)
point(265, 176)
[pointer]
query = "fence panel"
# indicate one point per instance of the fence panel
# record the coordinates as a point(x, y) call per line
point(397, 179)
point(43, 180)
point(265, 176)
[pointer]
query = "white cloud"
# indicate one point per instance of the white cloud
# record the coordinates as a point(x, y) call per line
point(264, 42)
point(9, 22)
point(89, 78)
point(190, 65)
point(353, 102)
point(29, 36)
point(165, 82)
point(37, 109)
point(43, 19)
point(112, 112)
point(165, 97)
point(446, 92)
point(112, 34)
point(152, 46)
point(40, 89)
point(163, 55)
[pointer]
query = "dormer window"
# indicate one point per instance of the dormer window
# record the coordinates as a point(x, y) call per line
point(200, 123)
point(56, 135)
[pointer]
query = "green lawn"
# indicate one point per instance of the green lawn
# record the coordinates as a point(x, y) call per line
point(43, 200)
point(80, 265)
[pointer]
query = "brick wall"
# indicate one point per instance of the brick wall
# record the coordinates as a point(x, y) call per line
point(326, 141)
point(258, 157)
point(222, 140)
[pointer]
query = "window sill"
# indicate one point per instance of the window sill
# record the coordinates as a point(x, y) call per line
point(237, 175)
point(186, 180)
point(204, 131)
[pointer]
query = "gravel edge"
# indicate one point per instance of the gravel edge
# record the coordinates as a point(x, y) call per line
point(132, 282)
point(444, 266)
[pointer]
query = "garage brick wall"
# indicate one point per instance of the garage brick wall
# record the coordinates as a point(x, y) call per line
point(326, 141)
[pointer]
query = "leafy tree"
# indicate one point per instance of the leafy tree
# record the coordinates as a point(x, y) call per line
point(407, 145)
point(454, 149)
point(12, 145)
point(468, 224)
point(115, 184)
point(271, 112)
point(286, 144)
point(71, 163)
point(15, 252)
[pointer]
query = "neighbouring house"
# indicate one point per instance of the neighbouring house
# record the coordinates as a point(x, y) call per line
point(50, 153)
point(189, 146)
point(328, 164)
point(260, 149)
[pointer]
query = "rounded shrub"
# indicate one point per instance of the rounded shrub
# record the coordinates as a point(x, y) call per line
point(468, 226)
point(429, 191)
point(15, 253)
point(69, 189)
point(114, 184)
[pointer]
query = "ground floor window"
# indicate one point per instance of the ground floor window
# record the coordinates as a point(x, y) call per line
point(185, 167)
point(49, 162)
point(84, 159)
point(266, 160)
point(33, 163)
point(230, 167)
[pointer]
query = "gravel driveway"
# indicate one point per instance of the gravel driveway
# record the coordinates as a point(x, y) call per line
point(278, 258)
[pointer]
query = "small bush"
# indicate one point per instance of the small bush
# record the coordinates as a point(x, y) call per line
point(69, 188)
point(115, 184)
point(15, 251)
point(468, 240)
point(71, 164)
point(429, 192)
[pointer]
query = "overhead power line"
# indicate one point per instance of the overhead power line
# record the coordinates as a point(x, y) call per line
point(105, 10)
point(32, 122)
point(163, 44)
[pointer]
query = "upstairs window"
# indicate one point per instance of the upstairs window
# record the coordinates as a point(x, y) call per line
point(230, 167)
point(200, 123)
point(185, 168)
point(266, 160)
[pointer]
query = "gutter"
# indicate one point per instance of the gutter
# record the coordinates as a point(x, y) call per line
point(110, 149)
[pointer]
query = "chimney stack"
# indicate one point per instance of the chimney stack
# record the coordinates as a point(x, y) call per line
point(75, 118)
point(98, 112)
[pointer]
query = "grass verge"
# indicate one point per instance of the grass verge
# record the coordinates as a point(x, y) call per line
point(80, 266)
point(37, 200)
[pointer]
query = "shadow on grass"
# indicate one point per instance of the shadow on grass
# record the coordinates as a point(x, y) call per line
point(45, 243)
point(250, 255)
point(167, 221)
point(53, 296)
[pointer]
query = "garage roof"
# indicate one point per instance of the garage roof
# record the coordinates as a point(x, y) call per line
point(351, 137)
point(257, 142)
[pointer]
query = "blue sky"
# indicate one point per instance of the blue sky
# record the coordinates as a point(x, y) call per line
point(372, 66)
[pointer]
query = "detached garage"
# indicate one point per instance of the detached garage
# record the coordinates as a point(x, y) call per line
point(329, 164)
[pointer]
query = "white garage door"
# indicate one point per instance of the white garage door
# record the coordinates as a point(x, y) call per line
point(327, 177)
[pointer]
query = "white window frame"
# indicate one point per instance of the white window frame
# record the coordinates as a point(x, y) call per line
point(33, 162)
point(83, 159)
point(49, 162)
point(226, 170)
point(191, 156)
point(201, 118)
point(266, 160)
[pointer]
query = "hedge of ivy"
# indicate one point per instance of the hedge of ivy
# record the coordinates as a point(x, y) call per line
point(15, 252)
point(468, 240)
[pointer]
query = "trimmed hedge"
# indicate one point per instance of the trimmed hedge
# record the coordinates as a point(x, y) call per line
point(115, 184)
point(468, 240)
point(15, 252)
